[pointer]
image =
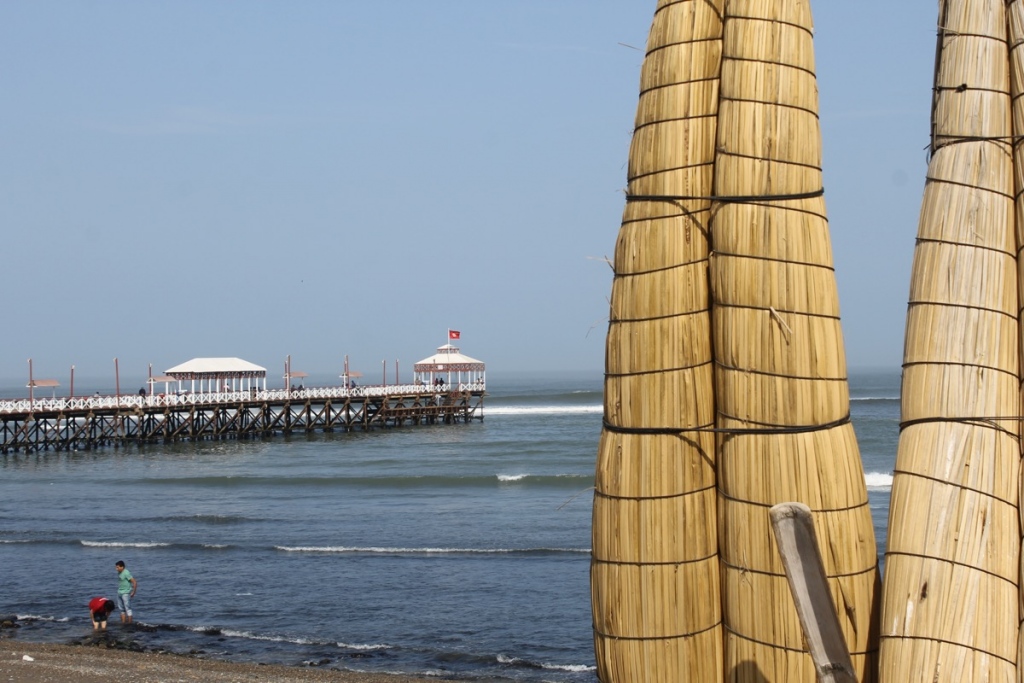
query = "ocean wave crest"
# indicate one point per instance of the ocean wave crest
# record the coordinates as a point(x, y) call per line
point(544, 410)
point(517, 661)
point(427, 551)
point(247, 635)
point(878, 480)
point(556, 479)
point(274, 638)
point(574, 668)
point(122, 544)
point(364, 482)
point(364, 647)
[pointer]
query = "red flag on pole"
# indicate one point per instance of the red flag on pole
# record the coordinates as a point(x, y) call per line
point(454, 334)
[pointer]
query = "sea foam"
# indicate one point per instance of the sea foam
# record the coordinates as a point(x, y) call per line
point(118, 544)
point(878, 481)
point(544, 410)
point(425, 551)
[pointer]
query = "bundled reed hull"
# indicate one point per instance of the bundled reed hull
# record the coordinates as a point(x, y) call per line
point(780, 372)
point(654, 573)
point(950, 597)
point(1015, 31)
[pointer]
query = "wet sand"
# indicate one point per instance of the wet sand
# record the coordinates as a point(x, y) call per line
point(91, 664)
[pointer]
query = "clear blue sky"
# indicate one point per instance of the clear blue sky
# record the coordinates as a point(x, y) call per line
point(321, 178)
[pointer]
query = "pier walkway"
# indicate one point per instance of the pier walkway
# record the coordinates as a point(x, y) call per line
point(87, 422)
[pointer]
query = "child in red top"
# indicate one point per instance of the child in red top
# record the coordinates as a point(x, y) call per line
point(99, 610)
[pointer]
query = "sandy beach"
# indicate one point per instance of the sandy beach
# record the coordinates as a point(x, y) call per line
point(22, 662)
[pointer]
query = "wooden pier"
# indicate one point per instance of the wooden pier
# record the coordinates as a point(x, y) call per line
point(83, 423)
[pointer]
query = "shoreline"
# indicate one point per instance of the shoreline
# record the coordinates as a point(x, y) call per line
point(96, 663)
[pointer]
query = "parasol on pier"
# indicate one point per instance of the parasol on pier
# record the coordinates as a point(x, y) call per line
point(166, 379)
point(51, 384)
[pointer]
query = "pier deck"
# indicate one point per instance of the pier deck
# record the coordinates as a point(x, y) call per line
point(87, 422)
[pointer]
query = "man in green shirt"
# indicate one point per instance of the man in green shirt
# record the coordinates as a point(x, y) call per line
point(126, 587)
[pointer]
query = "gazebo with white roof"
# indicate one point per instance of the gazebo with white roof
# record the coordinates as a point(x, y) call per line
point(446, 361)
point(230, 374)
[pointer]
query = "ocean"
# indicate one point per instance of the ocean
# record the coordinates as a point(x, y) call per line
point(459, 551)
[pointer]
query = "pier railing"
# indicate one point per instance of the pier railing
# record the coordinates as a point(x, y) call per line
point(176, 400)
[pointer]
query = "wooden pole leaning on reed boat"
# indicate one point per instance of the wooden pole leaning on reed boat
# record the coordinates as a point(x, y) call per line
point(654, 572)
point(798, 547)
point(783, 420)
point(951, 590)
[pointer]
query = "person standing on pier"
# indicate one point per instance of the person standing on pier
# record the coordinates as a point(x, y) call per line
point(126, 587)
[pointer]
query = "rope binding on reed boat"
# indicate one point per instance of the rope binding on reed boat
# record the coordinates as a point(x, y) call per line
point(762, 428)
point(678, 636)
point(976, 421)
point(962, 488)
point(667, 496)
point(725, 199)
point(664, 563)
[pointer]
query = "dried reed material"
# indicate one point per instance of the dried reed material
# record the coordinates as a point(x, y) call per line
point(950, 597)
point(978, 520)
point(660, 660)
point(654, 573)
point(780, 373)
point(972, 73)
point(1015, 35)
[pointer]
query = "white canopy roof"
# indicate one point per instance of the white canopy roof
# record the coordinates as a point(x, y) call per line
point(216, 367)
point(448, 357)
